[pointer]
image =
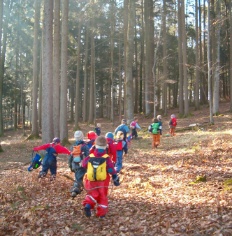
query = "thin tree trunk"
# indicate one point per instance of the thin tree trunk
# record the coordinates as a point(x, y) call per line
point(129, 61)
point(230, 14)
point(180, 55)
point(197, 69)
point(1, 70)
point(85, 100)
point(47, 116)
point(165, 68)
point(56, 69)
point(184, 45)
point(217, 60)
point(209, 66)
point(64, 69)
point(35, 130)
point(78, 98)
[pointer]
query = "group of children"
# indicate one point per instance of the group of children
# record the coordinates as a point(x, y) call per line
point(156, 129)
point(92, 160)
point(95, 159)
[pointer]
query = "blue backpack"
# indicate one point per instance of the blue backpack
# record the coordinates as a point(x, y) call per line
point(36, 161)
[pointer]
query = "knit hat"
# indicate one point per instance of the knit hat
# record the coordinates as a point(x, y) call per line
point(78, 135)
point(56, 140)
point(100, 142)
point(173, 116)
point(159, 117)
point(109, 135)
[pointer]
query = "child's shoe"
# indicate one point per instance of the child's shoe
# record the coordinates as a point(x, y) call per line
point(87, 210)
point(41, 175)
point(75, 191)
point(53, 177)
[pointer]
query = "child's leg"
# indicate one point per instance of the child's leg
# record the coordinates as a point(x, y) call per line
point(118, 164)
point(45, 167)
point(153, 140)
point(102, 200)
point(53, 166)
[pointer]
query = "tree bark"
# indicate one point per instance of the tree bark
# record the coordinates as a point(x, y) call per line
point(64, 70)
point(47, 83)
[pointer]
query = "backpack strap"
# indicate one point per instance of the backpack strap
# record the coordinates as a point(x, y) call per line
point(104, 156)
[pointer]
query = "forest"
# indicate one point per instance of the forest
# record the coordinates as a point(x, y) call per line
point(72, 61)
point(66, 65)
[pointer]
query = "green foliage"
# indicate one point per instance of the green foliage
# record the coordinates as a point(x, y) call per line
point(228, 185)
point(199, 179)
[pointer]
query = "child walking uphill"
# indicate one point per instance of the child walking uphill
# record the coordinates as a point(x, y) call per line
point(97, 129)
point(124, 128)
point(172, 125)
point(91, 135)
point(155, 132)
point(159, 118)
point(121, 147)
point(50, 161)
point(80, 150)
point(134, 126)
point(96, 181)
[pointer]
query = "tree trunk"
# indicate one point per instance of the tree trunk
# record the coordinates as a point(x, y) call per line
point(35, 130)
point(230, 15)
point(197, 69)
point(184, 45)
point(165, 68)
point(78, 97)
point(209, 66)
point(217, 59)
point(85, 100)
point(56, 69)
point(1, 69)
point(92, 102)
point(47, 83)
point(64, 69)
point(180, 57)
point(129, 61)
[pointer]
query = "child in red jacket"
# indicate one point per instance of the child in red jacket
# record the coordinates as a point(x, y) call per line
point(172, 125)
point(97, 178)
point(50, 161)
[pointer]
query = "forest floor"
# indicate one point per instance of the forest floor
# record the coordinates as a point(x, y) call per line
point(184, 187)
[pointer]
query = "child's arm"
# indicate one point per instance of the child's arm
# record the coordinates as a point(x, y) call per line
point(137, 126)
point(62, 150)
point(42, 147)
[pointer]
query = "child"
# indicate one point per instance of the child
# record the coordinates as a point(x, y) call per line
point(154, 130)
point(111, 147)
point(91, 135)
point(159, 118)
point(124, 128)
point(50, 161)
point(98, 129)
point(121, 147)
point(96, 183)
point(172, 125)
point(79, 150)
point(134, 126)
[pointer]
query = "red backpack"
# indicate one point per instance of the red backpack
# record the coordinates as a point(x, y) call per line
point(174, 123)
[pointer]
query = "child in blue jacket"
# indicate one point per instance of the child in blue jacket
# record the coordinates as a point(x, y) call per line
point(121, 147)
